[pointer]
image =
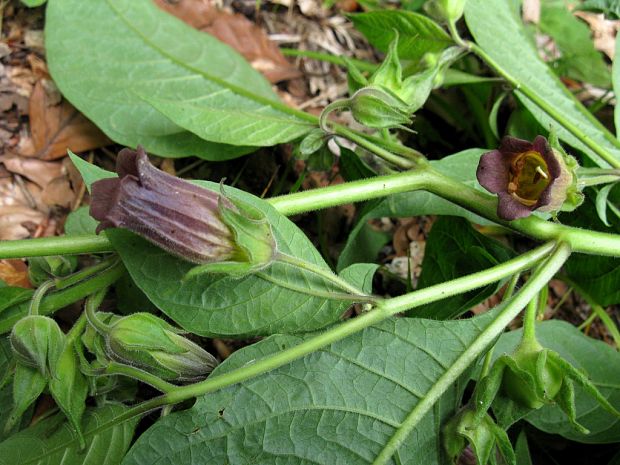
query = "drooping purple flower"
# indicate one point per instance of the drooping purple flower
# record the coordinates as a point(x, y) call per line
point(526, 176)
point(174, 214)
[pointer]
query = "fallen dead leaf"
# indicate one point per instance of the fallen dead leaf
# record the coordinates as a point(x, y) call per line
point(531, 11)
point(603, 31)
point(56, 127)
point(14, 273)
point(238, 32)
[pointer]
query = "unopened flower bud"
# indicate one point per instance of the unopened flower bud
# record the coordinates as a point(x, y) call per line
point(379, 108)
point(37, 342)
point(145, 341)
point(446, 10)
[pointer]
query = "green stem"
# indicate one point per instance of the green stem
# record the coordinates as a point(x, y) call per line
point(351, 192)
point(597, 180)
point(60, 299)
point(366, 143)
point(73, 279)
point(114, 368)
point(44, 246)
point(553, 112)
point(37, 297)
point(90, 310)
point(328, 275)
point(487, 336)
point(529, 321)
point(315, 292)
point(320, 56)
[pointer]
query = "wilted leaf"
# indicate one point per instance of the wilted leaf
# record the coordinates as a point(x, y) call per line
point(14, 272)
point(56, 127)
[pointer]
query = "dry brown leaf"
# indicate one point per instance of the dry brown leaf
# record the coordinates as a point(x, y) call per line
point(58, 127)
point(14, 273)
point(39, 172)
point(238, 32)
point(603, 31)
point(13, 218)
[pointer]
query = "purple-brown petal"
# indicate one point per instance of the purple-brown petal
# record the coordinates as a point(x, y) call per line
point(509, 208)
point(512, 145)
point(174, 214)
point(493, 172)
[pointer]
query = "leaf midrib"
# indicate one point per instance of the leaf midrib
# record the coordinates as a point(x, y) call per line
point(234, 88)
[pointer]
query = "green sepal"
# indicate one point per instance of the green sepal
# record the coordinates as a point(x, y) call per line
point(69, 388)
point(390, 74)
point(28, 384)
point(37, 342)
point(251, 229)
point(482, 433)
point(355, 79)
point(234, 269)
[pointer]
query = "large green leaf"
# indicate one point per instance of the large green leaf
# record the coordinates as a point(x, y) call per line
point(52, 441)
point(453, 249)
point(461, 166)
point(281, 298)
point(579, 60)
point(602, 364)
point(418, 34)
point(340, 405)
point(105, 55)
point(498, 29)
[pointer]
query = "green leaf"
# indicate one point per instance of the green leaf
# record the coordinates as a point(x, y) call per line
point(615, 76)
point(500, 32)
point(340, 405)
point(239, 121)
point(361, 275)
point(280, 298)
point(602, 364)
point(352, 167)
point(522, 451)
point(89, 172)
point(80, 222)
point(454, 249)
point(69, 388)
point(610, 8)
point(596, 275)
point(461, 166)
point(579, 59)
point(418, 34)
point(28, 384)
point(601, 203)
point(52, 441)
point(102, 54)
point(6, 392)
point(10, 296)
point(33, 3)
